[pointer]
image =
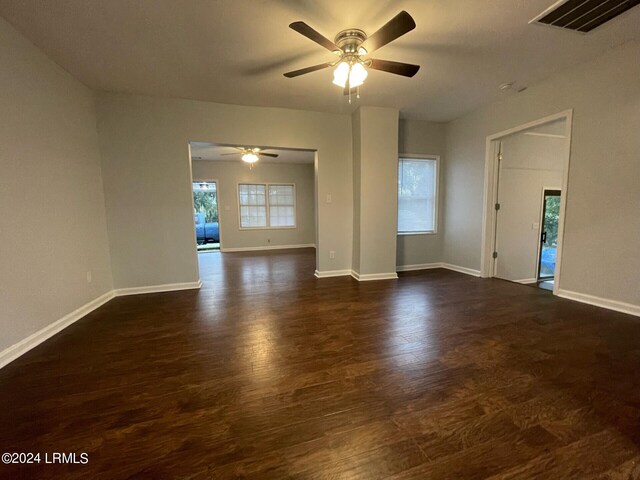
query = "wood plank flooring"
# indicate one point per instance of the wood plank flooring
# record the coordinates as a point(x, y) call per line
point(270, 373)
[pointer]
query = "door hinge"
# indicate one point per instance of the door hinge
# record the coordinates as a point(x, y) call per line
point(495, 254)
point(497, 206)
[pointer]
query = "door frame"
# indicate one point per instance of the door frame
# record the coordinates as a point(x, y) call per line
point(543, 208)
point(489, 217)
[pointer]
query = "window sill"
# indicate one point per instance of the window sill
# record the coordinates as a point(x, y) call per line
point(416, 233)
point(267, 228)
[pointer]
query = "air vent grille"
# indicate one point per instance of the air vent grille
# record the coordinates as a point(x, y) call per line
point(583, 15)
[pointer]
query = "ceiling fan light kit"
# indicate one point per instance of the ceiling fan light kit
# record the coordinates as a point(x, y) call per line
point(250, 157)
point(351, 45)
point(350, 73)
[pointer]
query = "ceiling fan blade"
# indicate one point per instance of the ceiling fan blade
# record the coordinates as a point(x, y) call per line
point(399, 68)
point(272, 155)
point(302, 71)
point(225, 154)
point(304, 29)
point(394, 28)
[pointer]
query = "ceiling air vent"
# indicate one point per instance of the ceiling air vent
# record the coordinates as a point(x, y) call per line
point(583, 15)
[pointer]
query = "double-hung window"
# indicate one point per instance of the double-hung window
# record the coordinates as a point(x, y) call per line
point(417, 194)
point(253, 205)
point(282, 206)
point(266, 205)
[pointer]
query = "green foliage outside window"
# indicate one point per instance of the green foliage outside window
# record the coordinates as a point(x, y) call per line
point(551, 217)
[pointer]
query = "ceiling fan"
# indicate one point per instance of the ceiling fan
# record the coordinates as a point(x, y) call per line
point(351, 46)
point(250, 155)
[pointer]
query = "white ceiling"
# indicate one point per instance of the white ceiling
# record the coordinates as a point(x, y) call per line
point(213, 152)
point(235, 51)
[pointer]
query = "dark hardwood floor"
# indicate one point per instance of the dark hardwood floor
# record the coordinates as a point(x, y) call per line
point(270, 373)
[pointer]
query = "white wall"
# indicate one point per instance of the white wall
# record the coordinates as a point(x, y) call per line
point(600, 252)
point(147, 177)
point(423, 138)
point(529, 164)
point(230, 174)
point(53, 228)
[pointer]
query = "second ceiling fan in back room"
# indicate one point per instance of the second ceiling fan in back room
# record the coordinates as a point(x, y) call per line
point(351, 46)
point(250, 155)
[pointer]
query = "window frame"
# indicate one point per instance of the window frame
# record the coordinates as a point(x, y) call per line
point(268, 206)
point(436, 200)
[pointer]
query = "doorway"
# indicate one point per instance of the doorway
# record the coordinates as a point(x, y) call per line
point(206, 219)
point(526, 169)
point(548, 251)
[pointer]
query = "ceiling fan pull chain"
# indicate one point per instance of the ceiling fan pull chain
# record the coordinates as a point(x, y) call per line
point(358, 92)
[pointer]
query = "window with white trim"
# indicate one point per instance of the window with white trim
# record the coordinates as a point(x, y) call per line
point(282, 206)
point(266, 205)
point(417, 193)
point(253, 205)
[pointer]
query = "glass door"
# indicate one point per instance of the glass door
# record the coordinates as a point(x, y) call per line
point(205, 205)
point(549, 234)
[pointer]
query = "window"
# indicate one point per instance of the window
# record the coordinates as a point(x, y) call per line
point(417, 184)
point(267, 205)
point(282, 207)
point(253, 206)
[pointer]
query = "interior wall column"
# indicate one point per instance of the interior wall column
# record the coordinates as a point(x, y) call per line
point(375, 192)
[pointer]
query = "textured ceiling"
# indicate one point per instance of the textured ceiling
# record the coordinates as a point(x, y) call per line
point(235, 51)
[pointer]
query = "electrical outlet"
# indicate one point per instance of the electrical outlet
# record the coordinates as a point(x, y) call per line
point(332, 254)
point(89, 278)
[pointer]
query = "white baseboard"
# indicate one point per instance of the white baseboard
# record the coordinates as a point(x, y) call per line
point(168, 287)
point(332, 273)
point(527, 281)
point(455, 268)
point(23, 346)
point(269, 247)
point(447, 266)
point(623, 307)
point(420, 266)
point(367, 277)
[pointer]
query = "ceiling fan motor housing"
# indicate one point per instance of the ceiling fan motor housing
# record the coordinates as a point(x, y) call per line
point(350, 40)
